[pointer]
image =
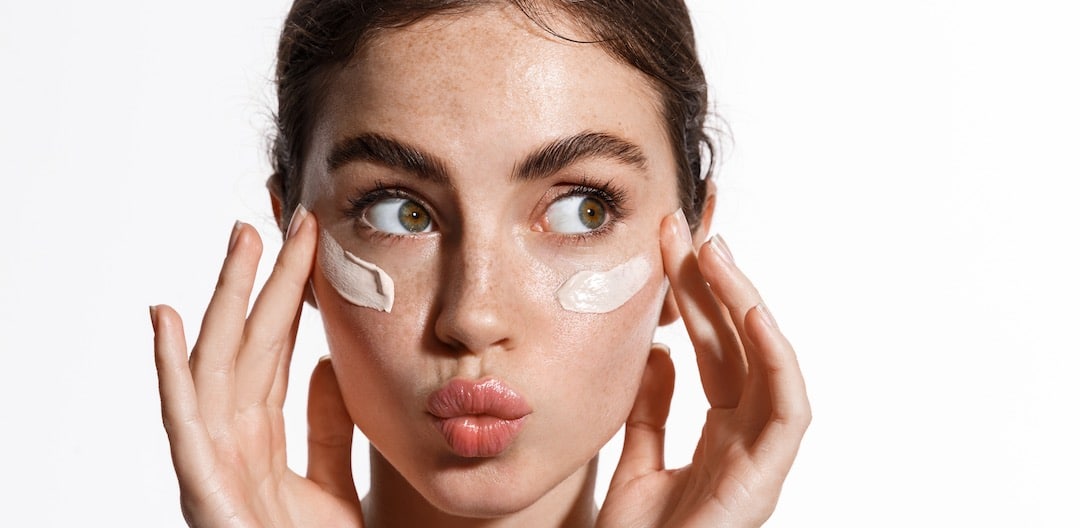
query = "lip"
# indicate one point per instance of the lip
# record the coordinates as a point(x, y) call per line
point(478, 418)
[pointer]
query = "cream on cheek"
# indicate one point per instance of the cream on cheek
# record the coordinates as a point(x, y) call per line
point(358, 281)
point(591, 291)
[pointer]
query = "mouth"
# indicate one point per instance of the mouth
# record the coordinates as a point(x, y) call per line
point(478, 418)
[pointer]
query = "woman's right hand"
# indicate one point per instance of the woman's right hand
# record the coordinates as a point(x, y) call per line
point(222, 408)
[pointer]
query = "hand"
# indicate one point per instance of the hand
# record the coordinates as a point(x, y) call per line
point(222, 409)
point(759, 409)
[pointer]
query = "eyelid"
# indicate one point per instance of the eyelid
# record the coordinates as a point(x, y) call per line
point(612, 196)
point(363, 200)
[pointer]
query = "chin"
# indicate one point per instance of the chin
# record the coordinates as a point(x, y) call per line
point(477, 491)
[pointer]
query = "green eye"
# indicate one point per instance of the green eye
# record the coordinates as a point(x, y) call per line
point(399, 216)
point(576, 214)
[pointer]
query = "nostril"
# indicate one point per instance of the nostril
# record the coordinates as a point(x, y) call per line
point(472, 326)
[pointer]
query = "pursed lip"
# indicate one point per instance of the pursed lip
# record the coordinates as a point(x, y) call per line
point(478, 418)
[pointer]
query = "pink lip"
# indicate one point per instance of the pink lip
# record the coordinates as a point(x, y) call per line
point(478, 418)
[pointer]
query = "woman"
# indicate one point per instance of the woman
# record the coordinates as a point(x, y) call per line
point(484, 199)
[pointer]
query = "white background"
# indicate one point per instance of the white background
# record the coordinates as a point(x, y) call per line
point(901, 188)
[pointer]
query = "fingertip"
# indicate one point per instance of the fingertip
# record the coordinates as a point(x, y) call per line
point(756, 326)
point(300, 215)
point(673, 229)
point(658, 380)
point(323, 372)
point(675, 244)
point(772, 347)
point(761, 320)
point(237, 226)
point(661, 348)
point(244, 241)
point(249, 237)
point(324, 394)
point(162, 318)
point(720, 249)
point(302, 231)
point(766, 316)
point(682, 228)
point(714, 258)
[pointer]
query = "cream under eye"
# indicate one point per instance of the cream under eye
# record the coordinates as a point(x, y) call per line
point(397, 215)
point(576, 213)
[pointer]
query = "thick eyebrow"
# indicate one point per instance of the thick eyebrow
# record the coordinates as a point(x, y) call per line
point(545, 161)
point(564, 152)
point(377, 148)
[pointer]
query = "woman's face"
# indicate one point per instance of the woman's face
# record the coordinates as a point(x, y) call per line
point(482, 164)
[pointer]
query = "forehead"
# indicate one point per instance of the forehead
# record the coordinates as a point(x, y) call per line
point(492, 82)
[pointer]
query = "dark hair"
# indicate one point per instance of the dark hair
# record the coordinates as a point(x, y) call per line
point(654, 36)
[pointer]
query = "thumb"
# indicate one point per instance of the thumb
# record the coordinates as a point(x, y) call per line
point(643, 443)
point(330, 432)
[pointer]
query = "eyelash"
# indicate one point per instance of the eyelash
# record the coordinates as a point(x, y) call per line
point(612, 196)
point(359, 205)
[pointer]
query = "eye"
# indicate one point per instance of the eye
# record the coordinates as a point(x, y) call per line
point(576, 213)
point(399, 216)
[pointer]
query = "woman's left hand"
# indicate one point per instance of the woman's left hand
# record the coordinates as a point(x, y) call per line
point(759, 409)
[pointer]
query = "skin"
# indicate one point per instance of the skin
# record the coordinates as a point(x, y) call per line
point(475, 298)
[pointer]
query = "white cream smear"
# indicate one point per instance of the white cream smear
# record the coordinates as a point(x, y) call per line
point(358, 281)
point(592, 291)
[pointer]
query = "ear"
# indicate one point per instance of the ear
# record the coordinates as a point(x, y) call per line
point(275, 200)
point(707, 210)
point(669, 313)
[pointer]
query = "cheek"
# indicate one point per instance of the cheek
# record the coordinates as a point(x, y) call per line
point(357, 281)
point(591, 291)
point(604, 356)
point(376, 350)
point(581, 369)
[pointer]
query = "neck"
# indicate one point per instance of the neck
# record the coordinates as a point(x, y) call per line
point(392, 501)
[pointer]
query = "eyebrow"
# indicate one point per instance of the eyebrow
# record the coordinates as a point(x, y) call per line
point(564, 152)
point(377, 148)
point(541, 163)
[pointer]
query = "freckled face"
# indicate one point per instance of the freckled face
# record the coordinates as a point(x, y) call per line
point(482, 162)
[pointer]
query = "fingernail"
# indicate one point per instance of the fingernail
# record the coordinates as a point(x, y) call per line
point(721, 249)
point(662, 347)
point(153, 317)
point(297, 218)
point(234, 236)
point(683, 227)
point(766, 316)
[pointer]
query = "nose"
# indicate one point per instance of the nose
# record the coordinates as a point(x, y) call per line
point(477, 308)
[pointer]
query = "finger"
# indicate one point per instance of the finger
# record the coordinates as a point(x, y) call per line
point(643, 443)
point(716, 343)
point(189, 443)
point(269, 331)
point(728, 283)
point(213, 357)
point(778, 367)
point(330, 433)
point(740, 296)
point(280, 385)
